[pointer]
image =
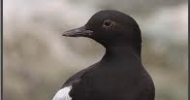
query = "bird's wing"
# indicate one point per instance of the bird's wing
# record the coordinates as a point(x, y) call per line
point(63, 93)
point(76, 77)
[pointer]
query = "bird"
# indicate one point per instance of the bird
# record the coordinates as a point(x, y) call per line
point(120, 74)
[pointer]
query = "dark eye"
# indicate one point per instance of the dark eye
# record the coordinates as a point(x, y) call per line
point(107, 23)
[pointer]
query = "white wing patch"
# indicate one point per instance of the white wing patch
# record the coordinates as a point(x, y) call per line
point(63, 94)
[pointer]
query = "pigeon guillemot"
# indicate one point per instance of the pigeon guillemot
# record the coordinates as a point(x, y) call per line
point(120, 74)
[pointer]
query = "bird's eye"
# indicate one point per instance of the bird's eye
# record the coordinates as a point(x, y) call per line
point(107, 23)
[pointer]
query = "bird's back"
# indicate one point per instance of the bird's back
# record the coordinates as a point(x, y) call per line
point(112, 81)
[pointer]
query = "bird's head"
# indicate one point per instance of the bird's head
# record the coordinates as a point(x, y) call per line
point(109, 27)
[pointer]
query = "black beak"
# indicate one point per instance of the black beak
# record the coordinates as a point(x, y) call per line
point(78, 32)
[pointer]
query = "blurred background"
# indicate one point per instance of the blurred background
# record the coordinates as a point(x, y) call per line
point(37, 59)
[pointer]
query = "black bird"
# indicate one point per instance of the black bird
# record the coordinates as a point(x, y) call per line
point(120, 74)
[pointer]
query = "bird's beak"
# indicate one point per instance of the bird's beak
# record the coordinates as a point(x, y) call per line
point(78, 32)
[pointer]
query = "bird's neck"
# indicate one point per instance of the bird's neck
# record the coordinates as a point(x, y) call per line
point(123, 51)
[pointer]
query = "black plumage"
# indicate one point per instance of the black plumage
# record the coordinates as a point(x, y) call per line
point(120, 74)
